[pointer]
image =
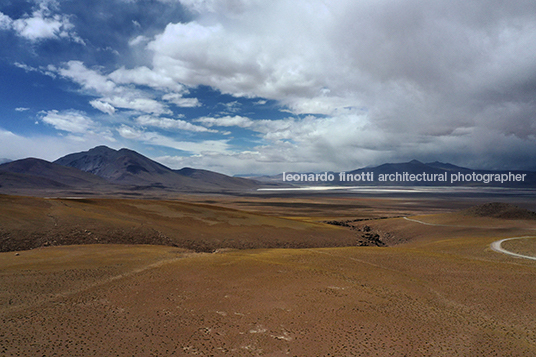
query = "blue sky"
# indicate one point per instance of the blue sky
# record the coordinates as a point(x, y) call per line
point(251, 86)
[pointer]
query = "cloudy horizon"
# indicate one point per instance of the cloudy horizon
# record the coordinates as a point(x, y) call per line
point(248, 86)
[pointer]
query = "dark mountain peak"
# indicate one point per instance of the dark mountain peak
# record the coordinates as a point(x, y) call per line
point(129, 167)
point(102, 148)
point(415, 162)
point(125, 150)
point(119, 166)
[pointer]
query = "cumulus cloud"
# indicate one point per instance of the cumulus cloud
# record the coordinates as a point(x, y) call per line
point(103, 106)
point(180, 101)
point(89, 79)
point(77, 125)
point(112, 94)
point(117, 91)
point(315, 57)
point(145, 76)
point(43, 23)
point(70, 121)
point(5, 22)
point(171, 124)
point(205, 147)
point(237, 120)
point(415, 74)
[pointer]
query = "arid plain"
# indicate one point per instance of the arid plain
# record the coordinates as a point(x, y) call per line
point(265, 276)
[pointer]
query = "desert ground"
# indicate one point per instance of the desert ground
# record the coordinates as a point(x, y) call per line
point(265, 276)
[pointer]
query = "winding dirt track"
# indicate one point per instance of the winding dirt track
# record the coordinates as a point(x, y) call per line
point(496, 246)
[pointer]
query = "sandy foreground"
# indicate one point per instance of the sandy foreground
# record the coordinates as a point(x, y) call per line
point(442, 293)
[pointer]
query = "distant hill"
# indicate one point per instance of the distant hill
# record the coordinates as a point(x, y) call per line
point(499, 210)
point(37, 173)
point(216, 179)
point(400, 174)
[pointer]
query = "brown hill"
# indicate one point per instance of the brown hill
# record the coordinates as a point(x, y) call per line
point(28, 222)
point(499, 210)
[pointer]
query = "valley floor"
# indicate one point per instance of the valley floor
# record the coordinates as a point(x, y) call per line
point(440, 291)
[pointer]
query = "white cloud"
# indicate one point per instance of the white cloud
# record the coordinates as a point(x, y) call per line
point(263, 53)
point(173, 124)
point(377, 148)
point(237, 120)
point(138, 40)
point(113, 94)
point(227, 7)
point(18, 147)
point(21, 109)
point(49, 70)
point(145, 76)
point(180, 101)
point(87, 78)
point(78, 125)
point(228, 163)
point(37, 28)
point(70, 121)
point(368, 82)
point(206, 147)
point(42, 24)
point(127, 99)
point(5, 22)
point(117, 91)
point(232, 107)
point(411, 65)
point(103, 107)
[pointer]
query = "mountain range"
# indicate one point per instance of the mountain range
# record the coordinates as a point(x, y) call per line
point(106, 170)
point(412, 173)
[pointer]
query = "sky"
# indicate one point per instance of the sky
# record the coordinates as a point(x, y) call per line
point(262, 87)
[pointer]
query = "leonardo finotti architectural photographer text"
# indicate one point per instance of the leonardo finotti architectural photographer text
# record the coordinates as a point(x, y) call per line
point(404, 177)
